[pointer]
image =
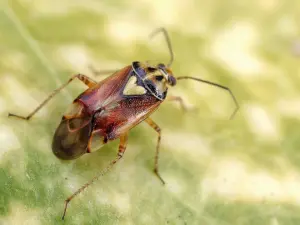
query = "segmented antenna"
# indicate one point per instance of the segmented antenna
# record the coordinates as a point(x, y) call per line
point(216, 85)
point(167, 38)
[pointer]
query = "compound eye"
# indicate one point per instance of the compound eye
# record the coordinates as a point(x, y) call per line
point(172, 80)
point(160, 65)
point(138, 70)
point(151, 69)
point(159, 78)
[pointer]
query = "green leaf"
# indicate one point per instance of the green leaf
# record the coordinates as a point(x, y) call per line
point(217, 171)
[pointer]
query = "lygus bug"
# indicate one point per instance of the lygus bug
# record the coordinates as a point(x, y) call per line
point(109, 109)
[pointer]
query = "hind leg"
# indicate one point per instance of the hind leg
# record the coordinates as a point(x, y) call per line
point(122, 148)
point(85, 79)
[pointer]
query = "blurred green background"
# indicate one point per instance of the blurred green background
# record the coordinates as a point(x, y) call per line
point(218, 171)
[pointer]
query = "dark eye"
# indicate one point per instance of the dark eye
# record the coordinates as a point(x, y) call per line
point(151, 69)
point(162, 66)
point(159, 78)
point(172, 80)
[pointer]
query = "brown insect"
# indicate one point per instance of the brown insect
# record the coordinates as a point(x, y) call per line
point(109, 109)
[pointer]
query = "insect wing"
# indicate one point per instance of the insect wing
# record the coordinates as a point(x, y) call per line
point(107, 91)
point(71, 138)
point(72, 135)
point(127, 113)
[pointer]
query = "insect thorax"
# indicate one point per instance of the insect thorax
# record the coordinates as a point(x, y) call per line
point(146, 79)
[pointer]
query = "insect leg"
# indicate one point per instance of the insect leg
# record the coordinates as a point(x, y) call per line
point(122, 148)
point(158, 130)
point(86, 80)
point(180, 100)
point(101, 72)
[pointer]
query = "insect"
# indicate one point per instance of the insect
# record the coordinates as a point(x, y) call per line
point(109, 109)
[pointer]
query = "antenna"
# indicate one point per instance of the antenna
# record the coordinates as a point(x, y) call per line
point(167, 38)
point(216, 85)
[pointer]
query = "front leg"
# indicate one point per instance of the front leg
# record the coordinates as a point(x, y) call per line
point(101, 72)
point(182, 103)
